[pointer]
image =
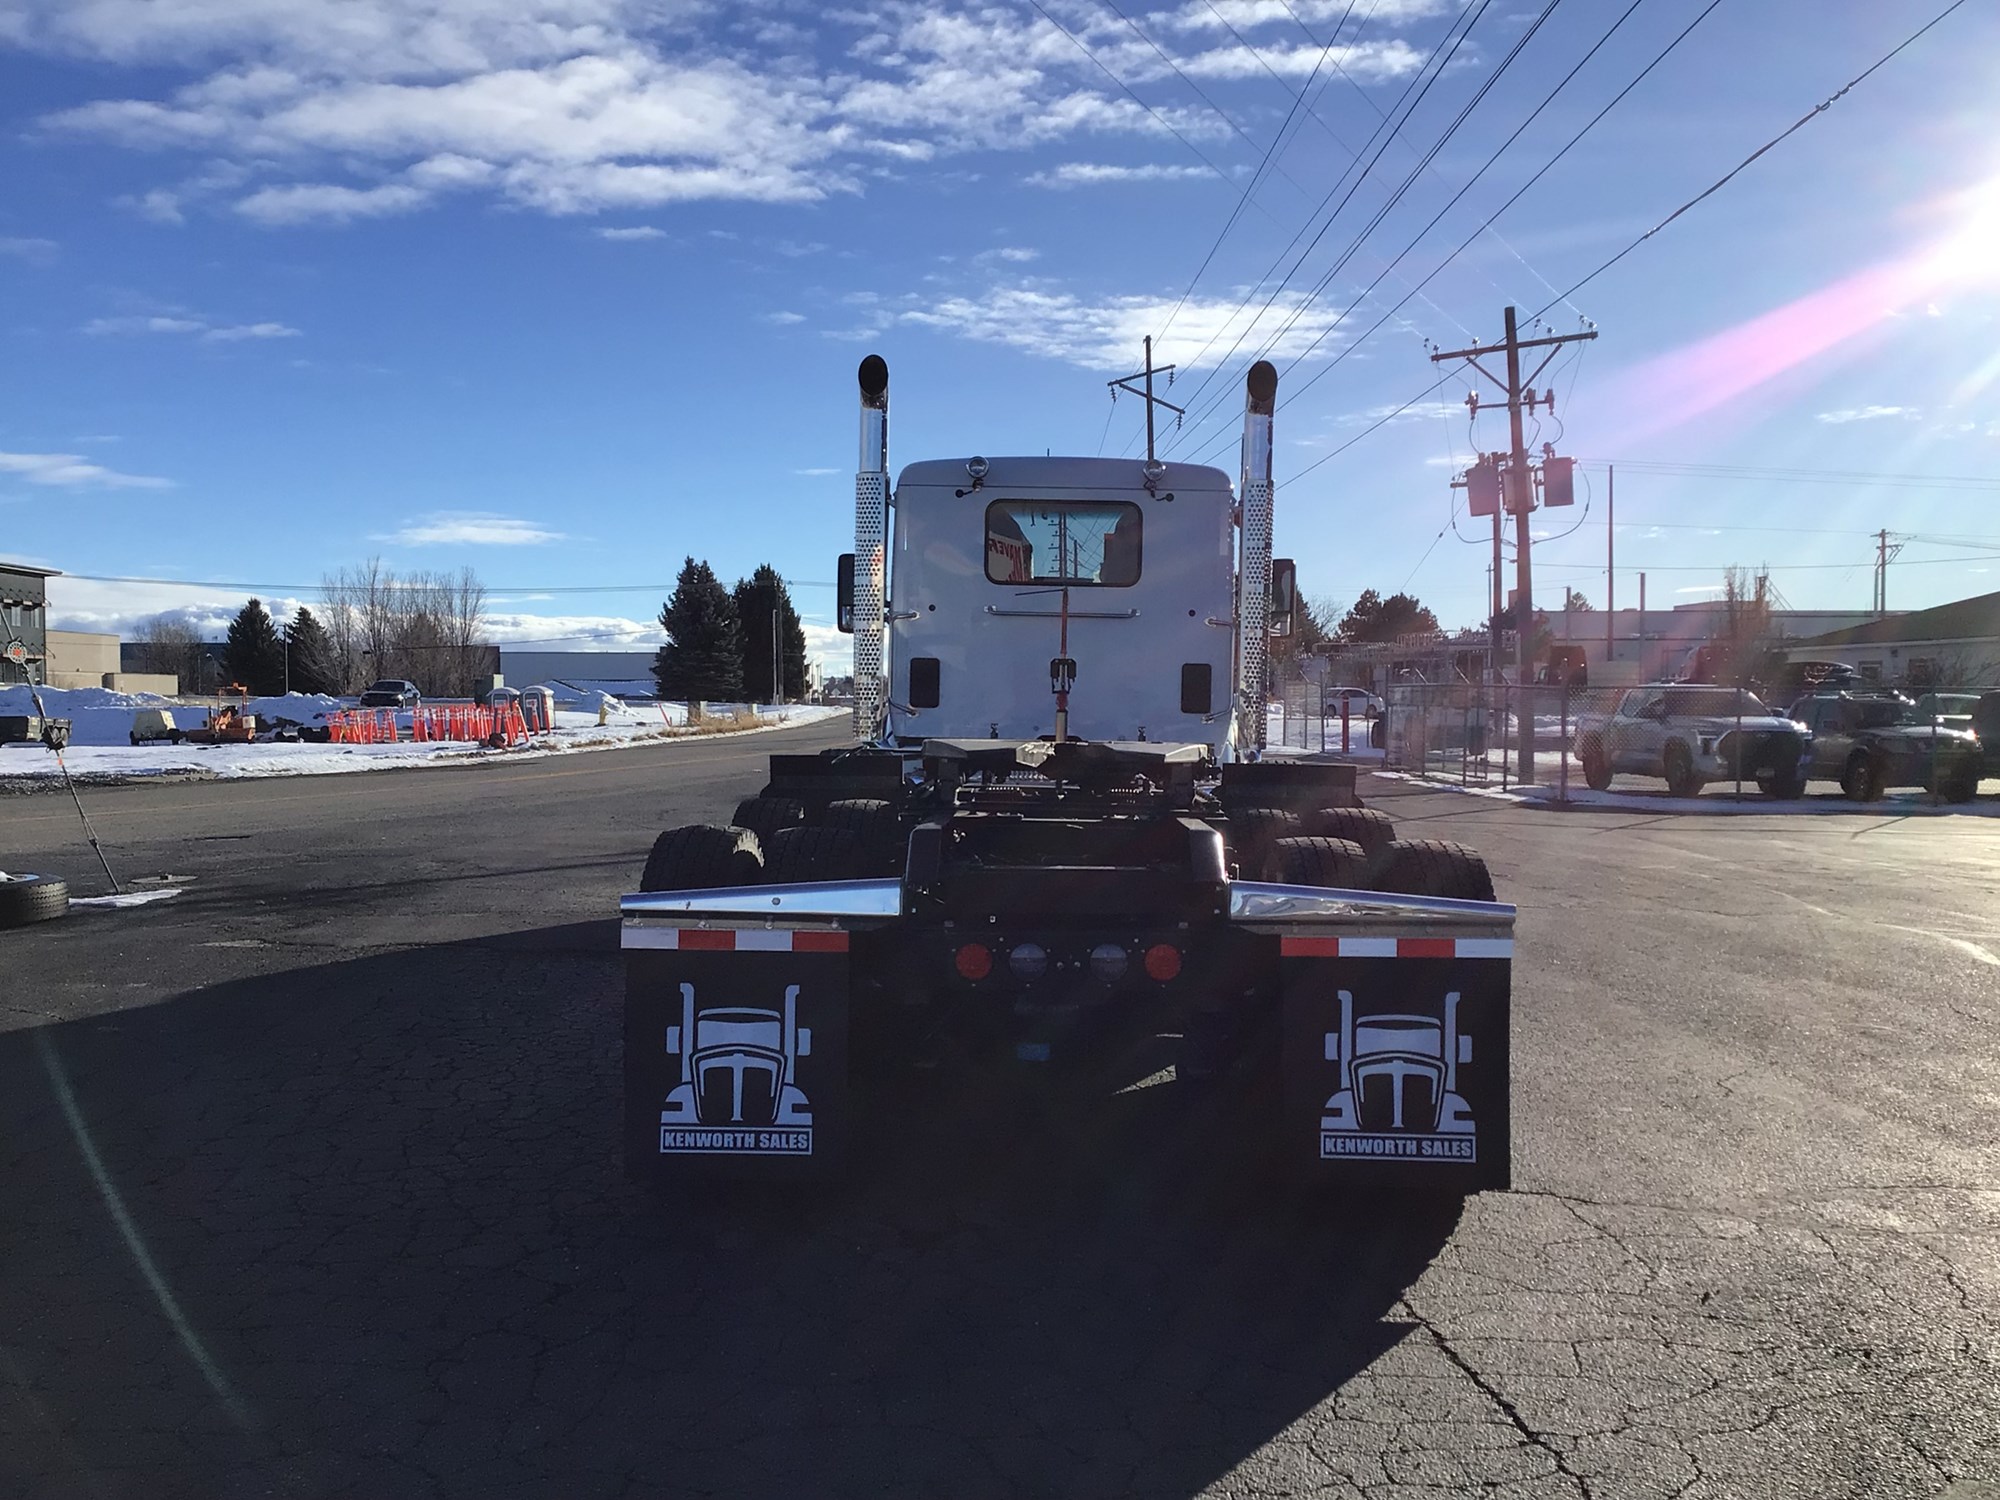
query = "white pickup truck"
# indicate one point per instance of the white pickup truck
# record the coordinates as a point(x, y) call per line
point(1690, 734)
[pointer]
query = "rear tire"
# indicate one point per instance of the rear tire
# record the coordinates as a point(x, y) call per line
point(764, 816)
point(1786, 786)
point(875, 827)
point(1369, 827)
point(1861, 779)
point(1339, 864)
point(1252, 831)
point(702, 857)
point(31, 898)
point(1596, 765)
point(1681, 778)
point(1963, 786)
point(1432, 867)
point(797, 855)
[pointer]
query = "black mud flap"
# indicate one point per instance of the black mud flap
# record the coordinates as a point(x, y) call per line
point(1396, 1060)
point(735, 1052)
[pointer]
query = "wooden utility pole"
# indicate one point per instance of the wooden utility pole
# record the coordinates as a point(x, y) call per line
point(1610, 555)
point(1517, 493)
point(1124, 383)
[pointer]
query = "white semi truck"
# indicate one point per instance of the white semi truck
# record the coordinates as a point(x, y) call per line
point(1056, 823)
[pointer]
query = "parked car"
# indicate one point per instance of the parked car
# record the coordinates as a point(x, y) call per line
point(1953, 710)
point(391, 692)
point(1691, 735)
point(1869, 742)
point(1361, 704)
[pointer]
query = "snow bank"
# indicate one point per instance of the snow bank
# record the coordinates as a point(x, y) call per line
point(114, 759)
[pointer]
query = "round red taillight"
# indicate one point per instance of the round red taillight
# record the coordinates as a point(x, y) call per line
point(975, 961)
point(1163, 962)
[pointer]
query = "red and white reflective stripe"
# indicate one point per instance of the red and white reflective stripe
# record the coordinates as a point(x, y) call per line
point(1394, 947)
point(734, 939)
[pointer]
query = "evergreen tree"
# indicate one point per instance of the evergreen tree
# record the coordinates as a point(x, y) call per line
point(703, 657)
point(757, 597)
point(254, 655)
point(1375, 619)
point(312, 658)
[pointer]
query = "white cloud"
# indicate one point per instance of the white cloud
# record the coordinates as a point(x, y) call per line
point(816, 473)
point(573, 632)
point(300, 202)
point(225, 333)
point(1421, 411)
point(1076, 174)
point(784, 319)
point(100, 326)
point(471, 528)
point(239, 331)
point(1102, 334)
point(73, 471)
point(1869, 414)
point(632, 232)
point(376, 107)
point(35, 251)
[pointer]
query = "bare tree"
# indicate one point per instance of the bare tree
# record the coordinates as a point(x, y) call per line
point(426, 627)
point(169, 644)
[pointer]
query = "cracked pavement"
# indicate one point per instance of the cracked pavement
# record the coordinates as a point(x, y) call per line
point(309, 1186)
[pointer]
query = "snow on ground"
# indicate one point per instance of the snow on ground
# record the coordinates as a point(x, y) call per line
point(101, 723)
point(1718, 800)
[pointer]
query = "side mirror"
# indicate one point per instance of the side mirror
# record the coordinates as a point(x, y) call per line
point(843, 594)
point(1284, 595)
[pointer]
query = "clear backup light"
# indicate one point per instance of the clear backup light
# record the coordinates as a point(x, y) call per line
point(1108, 962)
point(1028, 961)
point(976, 467)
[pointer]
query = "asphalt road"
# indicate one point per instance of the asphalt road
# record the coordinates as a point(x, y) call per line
point(309, 1185)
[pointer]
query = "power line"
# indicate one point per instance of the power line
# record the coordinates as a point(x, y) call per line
point(1817, 110)
point(1588, 126)
point(1269, 152)
point(1162, 120)
point(1432, 69)
point(1326, 279)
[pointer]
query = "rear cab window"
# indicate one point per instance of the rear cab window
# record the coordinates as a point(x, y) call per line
point(1087, 543)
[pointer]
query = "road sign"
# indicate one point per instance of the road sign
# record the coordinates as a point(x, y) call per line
point(16, 652)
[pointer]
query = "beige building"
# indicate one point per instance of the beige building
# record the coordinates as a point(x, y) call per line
point(89, 659)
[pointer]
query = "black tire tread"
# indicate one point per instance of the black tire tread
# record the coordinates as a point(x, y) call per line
point(32, 898)
point(764, 816)
point(812, 852)
point(1433, 867)
point(1252, 831)
point(702, 856)
point(1332, 863)
point(1369, 827)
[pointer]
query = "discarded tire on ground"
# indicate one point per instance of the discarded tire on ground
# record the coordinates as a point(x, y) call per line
point(701, 856)
point(808, 853)
point(1313, 860)
point(1369, 827)
point(31, 898)
point(1432, 867)
point(764, 816)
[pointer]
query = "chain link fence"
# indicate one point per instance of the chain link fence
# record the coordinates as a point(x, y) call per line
point(1316, 719)
point(1504, 734)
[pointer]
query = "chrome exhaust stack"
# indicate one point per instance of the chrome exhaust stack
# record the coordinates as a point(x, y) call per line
point(871, 525)
point(1253, 604)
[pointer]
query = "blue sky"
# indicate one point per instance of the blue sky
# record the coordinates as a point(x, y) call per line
point(565, 290)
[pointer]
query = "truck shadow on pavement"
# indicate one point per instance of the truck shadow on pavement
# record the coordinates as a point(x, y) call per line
point(361, 1228)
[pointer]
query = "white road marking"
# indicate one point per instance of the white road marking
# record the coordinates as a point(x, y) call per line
point(1964, 945)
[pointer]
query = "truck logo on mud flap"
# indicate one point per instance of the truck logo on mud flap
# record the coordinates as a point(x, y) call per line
point(1399, 1098)
point(738, 1094)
